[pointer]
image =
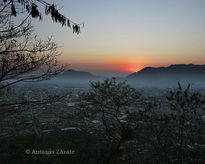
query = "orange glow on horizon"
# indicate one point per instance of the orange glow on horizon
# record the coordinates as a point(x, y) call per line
point(114, 65)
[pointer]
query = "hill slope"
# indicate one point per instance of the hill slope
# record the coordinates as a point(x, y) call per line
point(188, 73)
point(77, 74)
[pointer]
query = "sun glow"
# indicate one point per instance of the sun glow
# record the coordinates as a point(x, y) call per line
point(108, 65)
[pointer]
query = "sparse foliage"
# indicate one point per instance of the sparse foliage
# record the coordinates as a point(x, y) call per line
point(32, 9)
point(187, 110)
point(113, 104)
point(176, 135)
point(170, 131)
point(24, 57)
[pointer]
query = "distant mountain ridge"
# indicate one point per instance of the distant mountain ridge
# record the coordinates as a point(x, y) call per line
point(78, 75)
point(174, 68)
point(147, 77)
point(172, 73)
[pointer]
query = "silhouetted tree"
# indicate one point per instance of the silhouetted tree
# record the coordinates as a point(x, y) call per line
point(24, 57)
point(114, 105)
point(146, 130)
point(31, 7)
point(174, 129)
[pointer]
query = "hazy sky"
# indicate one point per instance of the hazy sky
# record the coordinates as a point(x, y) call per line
point(127, 35)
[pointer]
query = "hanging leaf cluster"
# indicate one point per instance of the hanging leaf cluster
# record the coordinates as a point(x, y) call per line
point(13, 10)
point(50, 9)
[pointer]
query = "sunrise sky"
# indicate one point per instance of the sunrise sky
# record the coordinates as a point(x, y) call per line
point(123, 36)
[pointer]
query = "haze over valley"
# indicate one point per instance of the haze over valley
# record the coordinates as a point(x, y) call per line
point(102, 82)
point(148, 77)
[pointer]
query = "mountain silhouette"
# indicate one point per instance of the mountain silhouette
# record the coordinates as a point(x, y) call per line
point(189, 73)
point(82, 75)
point(76, 74)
